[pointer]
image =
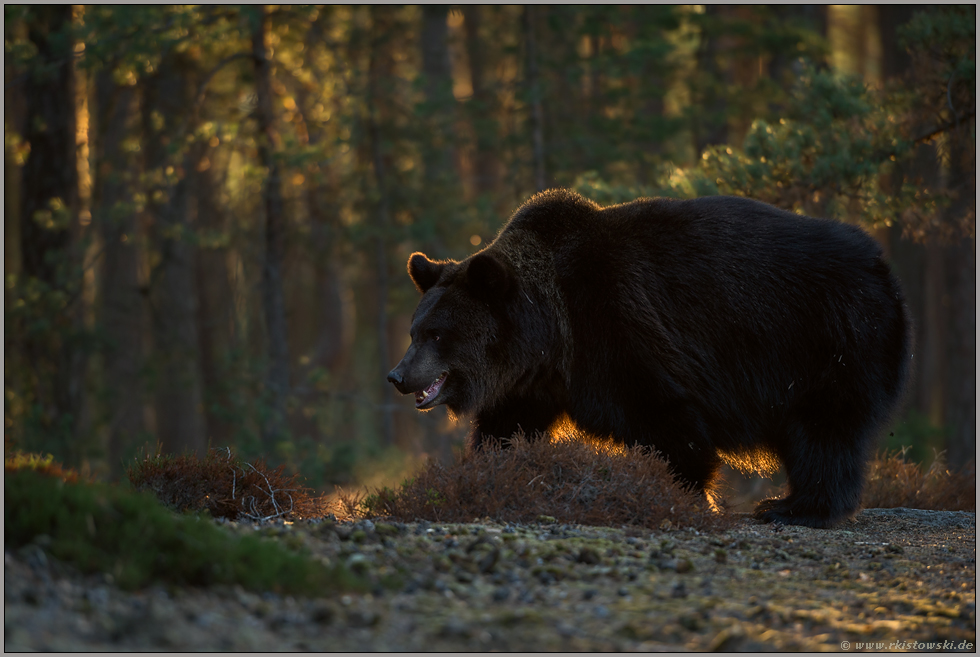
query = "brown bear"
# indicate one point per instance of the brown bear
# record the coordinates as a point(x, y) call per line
point(710, 328)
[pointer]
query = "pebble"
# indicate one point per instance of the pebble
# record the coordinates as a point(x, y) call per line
point(501, 593)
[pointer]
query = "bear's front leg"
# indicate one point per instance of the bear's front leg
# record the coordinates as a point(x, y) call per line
point(532, 417)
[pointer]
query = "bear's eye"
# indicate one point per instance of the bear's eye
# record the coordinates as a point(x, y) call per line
point(435, 338)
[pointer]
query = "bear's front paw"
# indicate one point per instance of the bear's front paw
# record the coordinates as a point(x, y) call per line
point(782, 511)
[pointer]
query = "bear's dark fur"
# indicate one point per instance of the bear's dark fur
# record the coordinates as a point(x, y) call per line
point(707, 328)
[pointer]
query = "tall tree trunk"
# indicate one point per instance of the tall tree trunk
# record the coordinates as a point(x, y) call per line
point(48, 212)
point(277, 377)
point(960, 304)
point(534, 95)
point(123, 306)
point(437, 154)
point(179, 402)
point(374, 105)
point(320, 192)
point(481, 115)
point(932, 336)
point(711, 121)
point(15, 122)
point(919, 266)
point(214, 310)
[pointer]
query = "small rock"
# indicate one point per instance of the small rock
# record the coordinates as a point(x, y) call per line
point(565, 629)
point(359, 563)
point(455, 627)
point(690, 622)
point(363, 618)
point(545, 577)
point(488, 562)
point(323, 613)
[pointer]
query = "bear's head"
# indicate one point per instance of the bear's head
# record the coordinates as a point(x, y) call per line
point(457, 331)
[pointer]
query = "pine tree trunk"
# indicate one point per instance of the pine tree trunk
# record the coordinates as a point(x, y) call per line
point(437, 154)
point(374, 105)
point(961, 308)
point(277, 377)
point(123, 307)
point(179, 401)
point(711, 121)
point(215, 311)
point(50, 188)
point(485, 165)
point(534, 95)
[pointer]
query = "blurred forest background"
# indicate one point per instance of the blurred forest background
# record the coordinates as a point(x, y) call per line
point(208, 210)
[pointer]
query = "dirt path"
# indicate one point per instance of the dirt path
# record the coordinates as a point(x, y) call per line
point(898, 578)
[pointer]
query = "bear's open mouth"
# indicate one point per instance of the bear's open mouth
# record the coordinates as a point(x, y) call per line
point(427, 396)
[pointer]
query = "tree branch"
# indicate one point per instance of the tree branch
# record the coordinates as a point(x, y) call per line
point(925, 137)
point(199, 99)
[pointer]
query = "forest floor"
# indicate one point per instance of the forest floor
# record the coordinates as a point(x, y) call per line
point(890, 579)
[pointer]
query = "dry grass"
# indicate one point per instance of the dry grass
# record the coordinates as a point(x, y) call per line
point(226, 486)
point(15, 460)
point(567, 479)
point(894, 482)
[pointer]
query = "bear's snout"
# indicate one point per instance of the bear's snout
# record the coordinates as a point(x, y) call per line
point(394, 376)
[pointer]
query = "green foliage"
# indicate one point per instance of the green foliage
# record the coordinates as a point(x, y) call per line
point(826, 158)
point(101, 528)
point(917, 437)
point(40, 332)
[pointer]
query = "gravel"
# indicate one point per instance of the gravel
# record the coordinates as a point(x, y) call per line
point(887, 576)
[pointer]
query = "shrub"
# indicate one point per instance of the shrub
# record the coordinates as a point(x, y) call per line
point(893, 482)
point(569, 479)
point(225, 486)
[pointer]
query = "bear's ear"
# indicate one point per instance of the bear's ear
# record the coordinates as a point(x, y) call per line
point(488, 278)
point(424, 272)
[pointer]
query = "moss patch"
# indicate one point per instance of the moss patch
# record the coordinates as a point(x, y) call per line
point(100, 528)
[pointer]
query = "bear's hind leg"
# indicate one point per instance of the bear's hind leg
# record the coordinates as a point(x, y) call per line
point(825, 467)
